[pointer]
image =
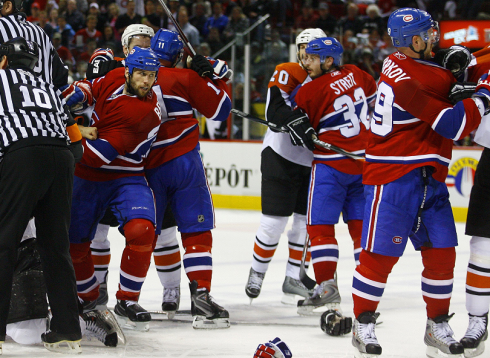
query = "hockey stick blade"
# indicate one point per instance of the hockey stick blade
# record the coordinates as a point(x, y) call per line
point(303, 276)
point(317, 141)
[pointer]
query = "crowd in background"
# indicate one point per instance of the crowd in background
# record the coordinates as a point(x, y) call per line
point(78, 27)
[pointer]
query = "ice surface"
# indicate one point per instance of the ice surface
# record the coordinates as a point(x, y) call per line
point(402, 308)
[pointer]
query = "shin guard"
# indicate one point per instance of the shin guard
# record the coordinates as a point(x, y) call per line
point(198, 260)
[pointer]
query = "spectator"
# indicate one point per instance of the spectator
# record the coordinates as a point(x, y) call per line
point(108, 40)
point(238, 22)
point(227, 7)
point(95, 11)
point(325, 21)
point(62, 6)
point(157, 20)
point(44, 24)
point(111, 18)
point(386, 6)
point(352, 21)
point(90, 32)
point(214, 40)
point(138, 9)
point(189, 31)
point(53, 17)
point(386, 48)
point(129, 18)
point(91, 45)
point(173, 6)
point(66, 31)
point(373, 20)
point(80, 72)
point(217, 20)
point(74, 17)
point(368, 64)
point(204, 49)
point(199, 19)
point(63, 51)
point(307, 19)
point(207, 8)
point(34, 18)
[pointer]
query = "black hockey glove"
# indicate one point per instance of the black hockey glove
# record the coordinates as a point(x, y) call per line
point(100, 68)
point(461, 90)
point(76, 149)
point(202, 66)
point(300, 130)
point(456, 59)
point(334, 324)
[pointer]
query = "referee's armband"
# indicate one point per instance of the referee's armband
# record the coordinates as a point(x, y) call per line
point(74, 133)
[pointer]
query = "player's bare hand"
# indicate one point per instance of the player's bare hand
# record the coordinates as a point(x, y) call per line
point(88, 132)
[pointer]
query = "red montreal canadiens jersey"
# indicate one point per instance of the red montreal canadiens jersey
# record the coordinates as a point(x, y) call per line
point(179, 91)
point(337, 105)
point(126, 126)
point(411, 105)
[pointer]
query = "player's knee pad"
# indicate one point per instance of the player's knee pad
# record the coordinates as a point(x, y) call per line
point(140, 235)
point(272, 227)
point(480, 250)
point(79, 252)
point(438, 262)
point(320, 232)
point(197, 242)
point(379, 265)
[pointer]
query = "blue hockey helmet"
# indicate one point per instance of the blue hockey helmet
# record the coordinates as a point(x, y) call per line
point(143, 59)
point(168, 46)
point(326, 47)
point(407, 22)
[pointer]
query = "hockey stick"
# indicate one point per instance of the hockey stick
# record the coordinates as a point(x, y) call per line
point(303, 276)
point(179, 29)
point(317, 141)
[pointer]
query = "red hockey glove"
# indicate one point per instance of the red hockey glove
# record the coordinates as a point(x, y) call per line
point(273, 349)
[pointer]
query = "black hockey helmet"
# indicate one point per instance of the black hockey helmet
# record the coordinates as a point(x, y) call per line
point(18, 4)
point(20, 53)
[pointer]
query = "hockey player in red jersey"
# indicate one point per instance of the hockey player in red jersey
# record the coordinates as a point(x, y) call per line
point(285, 167)
point(336, 102)
point(176, 174)
point(111, 174)
point(409, 149)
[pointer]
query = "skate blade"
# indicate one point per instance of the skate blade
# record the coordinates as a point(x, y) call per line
point(433, 352)
point(72, 347)
point(201, 322)
point(474, 352)
point(358, 354)
point(126, 323)
point(316, 310)
point(121, 338)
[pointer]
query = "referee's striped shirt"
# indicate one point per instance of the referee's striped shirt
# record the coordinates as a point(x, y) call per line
point(30, 109)
point(50, 67)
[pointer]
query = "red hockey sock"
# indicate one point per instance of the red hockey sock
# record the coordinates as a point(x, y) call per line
point(198, 261)
point(355, 231)
point(87, 285)
point(324, 251)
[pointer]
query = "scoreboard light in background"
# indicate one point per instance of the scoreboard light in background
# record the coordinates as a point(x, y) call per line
point(472, 34)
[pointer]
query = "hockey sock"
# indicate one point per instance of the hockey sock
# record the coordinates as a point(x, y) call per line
point(101, 252)
point(324, 251)
point(87, 284)
point(370, 280)
point(266, 240)
point(198, 260)
point(167, 258)
point(296, 242)
point(355, 231)
point(437, 279)
point(136, 257)
point(478, 277)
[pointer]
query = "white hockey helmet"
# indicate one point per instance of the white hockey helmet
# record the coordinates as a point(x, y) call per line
point(136, 30)
point(305, 37)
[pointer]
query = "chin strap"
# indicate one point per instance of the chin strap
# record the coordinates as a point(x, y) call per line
point(421, 52)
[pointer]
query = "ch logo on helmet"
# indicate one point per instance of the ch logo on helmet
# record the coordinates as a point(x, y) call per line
point(408, 18)
point(327, 42)
point(132, 51)
point(397, 240)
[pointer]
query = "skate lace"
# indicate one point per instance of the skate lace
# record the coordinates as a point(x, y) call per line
point(443, 332)
point(255, 280)
point(93, 330)
point(366, 334)
point(171, 295)
point(476, 327)
point(320, 289)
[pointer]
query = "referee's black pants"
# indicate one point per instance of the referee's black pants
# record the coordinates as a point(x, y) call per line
point(38, 181)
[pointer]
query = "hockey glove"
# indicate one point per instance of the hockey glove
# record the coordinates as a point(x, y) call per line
point(483, 91)
point(456, 59)
point(300, 130)
point(76, 149)
point(461, 90)
point(201, 65)
point(334, 324)
point(78, 92)
point(221, 70)
point(273, 349)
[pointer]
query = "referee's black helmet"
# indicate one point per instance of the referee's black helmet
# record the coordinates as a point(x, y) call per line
point(20, 53)
point(18, 4)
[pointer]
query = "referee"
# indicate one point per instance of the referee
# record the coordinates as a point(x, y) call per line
point(36, 179)
point(13, 24)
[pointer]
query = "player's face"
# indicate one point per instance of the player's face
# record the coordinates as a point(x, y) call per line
point(302, 52)
point(140, 41)
point(313, 65)
point(140, 82)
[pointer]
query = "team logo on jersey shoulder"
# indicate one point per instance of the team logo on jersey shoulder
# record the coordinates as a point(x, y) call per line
point(461, 175)
point(327, 42)
point(335, 73)
point(408, 18)
point(397, 240)
point(399, 55)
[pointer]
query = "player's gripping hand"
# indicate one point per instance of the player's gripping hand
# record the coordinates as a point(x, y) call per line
point(300, 130)
point(483, 91)
point(273, 349)
point(334, 324)
point(461, 90)
point(77, 92)
point(201, 65)
point(456, 59)
point(221, 70)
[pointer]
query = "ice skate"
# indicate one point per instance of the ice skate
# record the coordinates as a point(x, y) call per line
point(254, 284)
point(326, 295)
point(102, 324)
point(207, 314)
point(439, 339)
point(131, 315)
point(473, 340)
point(86, 306)
point(101, 302)
point(364, 338)
point(171, 301)
point(61, 342)
point(292, 288)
